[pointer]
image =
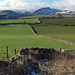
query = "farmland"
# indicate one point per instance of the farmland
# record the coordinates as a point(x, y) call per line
point(56, 28)
point(60, 21)
point(5, 21)
point(39, 16)
point(17, 36)
point(65, 33)
point(33, 49)
point(21, 36)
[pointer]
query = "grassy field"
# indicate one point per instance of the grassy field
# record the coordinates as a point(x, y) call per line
point(58, 31)
point(62, 32)
point(21, 36)
point(39, 16)
point(61, 21)
point(4, 21)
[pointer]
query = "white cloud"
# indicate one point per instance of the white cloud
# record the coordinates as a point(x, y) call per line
point(64, 4)
point(35, 4)
point(3, 6)
point(21, 4)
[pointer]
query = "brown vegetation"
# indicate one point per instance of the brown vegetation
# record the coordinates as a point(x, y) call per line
point(42, 61)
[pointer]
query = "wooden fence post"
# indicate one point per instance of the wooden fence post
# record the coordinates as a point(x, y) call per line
point(7, 52)
point(24, 57)
point(15, 51)
point(60, 50)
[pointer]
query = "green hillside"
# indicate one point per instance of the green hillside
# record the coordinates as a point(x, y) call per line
point(5, 21)
point(21, 36)
point(60, 21)
point(39, 16)
point(61, 32)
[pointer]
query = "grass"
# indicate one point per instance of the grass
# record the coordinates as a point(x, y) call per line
point(21, 36)
point(4, 21)
point(61, 21)
point(69, 15)
point(39, 16)
point(62, 32)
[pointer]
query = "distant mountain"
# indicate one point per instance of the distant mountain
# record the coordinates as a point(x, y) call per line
point(20, 13)
point(13, 14)
point(66, 12)
point(45, 11)
point(23, 12)
point(26, 13)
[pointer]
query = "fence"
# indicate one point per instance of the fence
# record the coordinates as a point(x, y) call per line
point(31, 59)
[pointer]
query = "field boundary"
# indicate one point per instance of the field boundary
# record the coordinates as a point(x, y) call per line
point(32, 29)
point(60, 40)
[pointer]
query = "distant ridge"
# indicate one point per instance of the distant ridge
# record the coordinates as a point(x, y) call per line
point(20, 13)
point(45, 11)
point(12, 14)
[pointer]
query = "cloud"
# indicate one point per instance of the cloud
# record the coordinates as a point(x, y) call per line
point(22, 4)
point(3, 6)
point(36, 4)
point(64, 5)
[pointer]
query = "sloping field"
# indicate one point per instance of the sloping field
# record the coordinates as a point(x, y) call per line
point(39, 16)
point(61, 21)
point(18, 21)
point(61, 32)
point(21, 36)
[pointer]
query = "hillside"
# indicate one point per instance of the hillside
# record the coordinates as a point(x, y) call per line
point(12, 14)
point(17, 14)
point(45, 11)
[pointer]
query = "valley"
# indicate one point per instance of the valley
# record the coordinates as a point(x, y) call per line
point(29, 45)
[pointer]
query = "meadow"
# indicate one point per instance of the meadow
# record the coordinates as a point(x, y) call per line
point(56, 28)
point(59, 21)
point(5, 21)
point(61, 32)
point(21, 36)
point(38, 16)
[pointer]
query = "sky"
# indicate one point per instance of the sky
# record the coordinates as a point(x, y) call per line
point(30, 5)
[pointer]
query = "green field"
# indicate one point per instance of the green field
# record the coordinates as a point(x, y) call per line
point(19, 21)
point(68, 15)
point(61, 32)
point(50, 15)
point(60, 21)
point(39, 16)
point(47, 27)
point(21, 36)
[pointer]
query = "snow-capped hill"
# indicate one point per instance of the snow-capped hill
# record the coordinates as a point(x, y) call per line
point(65, 12)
